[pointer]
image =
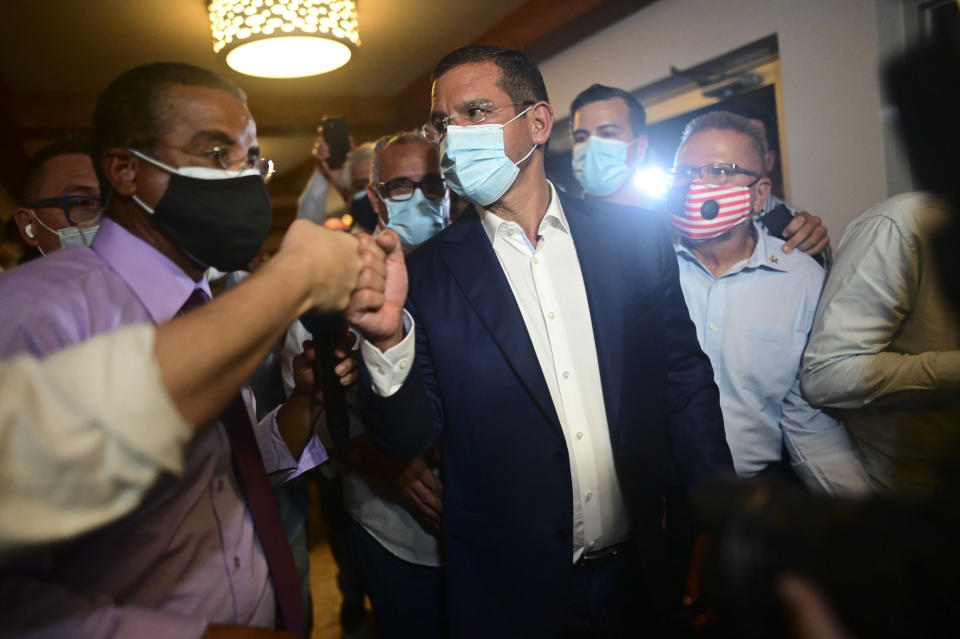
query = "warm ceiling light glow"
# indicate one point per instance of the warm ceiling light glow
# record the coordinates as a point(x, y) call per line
point(284, 38)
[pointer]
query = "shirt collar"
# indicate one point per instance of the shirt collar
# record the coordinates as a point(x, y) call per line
point(160, 285)
point(766, 254)
point(553, 218)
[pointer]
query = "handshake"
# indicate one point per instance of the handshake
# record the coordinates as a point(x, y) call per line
point(363, 277)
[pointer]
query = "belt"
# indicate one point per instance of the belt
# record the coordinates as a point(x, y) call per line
point(602, 556)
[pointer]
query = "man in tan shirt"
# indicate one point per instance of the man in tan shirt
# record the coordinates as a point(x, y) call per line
point(885, 346)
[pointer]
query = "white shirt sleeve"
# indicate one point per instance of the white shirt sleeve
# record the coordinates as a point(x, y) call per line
point(84, 434)
point(312, 204)
point(389, 370)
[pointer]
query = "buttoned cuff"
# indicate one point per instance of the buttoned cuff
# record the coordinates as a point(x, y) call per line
point(389, 370)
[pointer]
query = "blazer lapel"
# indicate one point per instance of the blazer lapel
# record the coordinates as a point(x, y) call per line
point(595, 244)
point(472, 261)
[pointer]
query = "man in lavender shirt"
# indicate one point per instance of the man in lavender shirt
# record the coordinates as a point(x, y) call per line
point(177, 157)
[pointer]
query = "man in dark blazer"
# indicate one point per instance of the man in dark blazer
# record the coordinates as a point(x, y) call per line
point(547, 340)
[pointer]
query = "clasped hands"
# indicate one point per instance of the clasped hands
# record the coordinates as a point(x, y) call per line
point(364, 278)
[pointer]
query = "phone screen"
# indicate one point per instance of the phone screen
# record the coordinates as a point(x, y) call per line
point(335, 134)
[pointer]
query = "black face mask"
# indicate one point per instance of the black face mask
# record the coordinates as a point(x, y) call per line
point(363, 213)
point(218, 221)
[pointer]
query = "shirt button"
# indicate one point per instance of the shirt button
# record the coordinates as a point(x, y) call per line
point(579, 435)
point(236, 562)
point(716, 284)
point(403, 364)
point(566, 374)
point(589, 496)
point(536, 260)
point(713, 327)
point(551, 315)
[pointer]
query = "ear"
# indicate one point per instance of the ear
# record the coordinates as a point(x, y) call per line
point(771, 160)
point(25, 223)
point(120, 167)
point(376, 202)
point(638, 146)
point(540, 117)
point(761, 192)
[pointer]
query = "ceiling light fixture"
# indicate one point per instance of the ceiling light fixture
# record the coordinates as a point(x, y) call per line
point(284, 38)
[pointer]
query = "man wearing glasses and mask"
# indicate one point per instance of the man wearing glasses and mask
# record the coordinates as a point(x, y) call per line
point(61, 198)
point(395, 507)
point(753, 307)
point(177, 150)
point(545, 339)
point(608, 126)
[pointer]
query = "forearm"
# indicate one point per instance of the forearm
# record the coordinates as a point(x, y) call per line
point(857, 380)
point(294, 423)
point(206, 355)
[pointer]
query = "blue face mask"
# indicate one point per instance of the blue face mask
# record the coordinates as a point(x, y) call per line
point(75, 236)
point(418, 219)
point(474, 163)
point(600, 165)
point(71, 235)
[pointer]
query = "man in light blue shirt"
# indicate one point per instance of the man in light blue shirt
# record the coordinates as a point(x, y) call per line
point(753, 307)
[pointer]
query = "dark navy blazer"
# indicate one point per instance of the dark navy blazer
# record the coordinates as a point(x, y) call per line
point(476, 381)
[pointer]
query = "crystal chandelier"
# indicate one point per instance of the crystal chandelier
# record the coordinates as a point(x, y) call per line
point(284, 38)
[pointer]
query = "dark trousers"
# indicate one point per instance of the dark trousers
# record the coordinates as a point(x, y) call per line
point(407, 598)
point(610, 600)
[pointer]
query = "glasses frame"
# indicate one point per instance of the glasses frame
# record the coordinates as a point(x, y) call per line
point(734, 167)
point(265, 166)
point(61, 201)
point(434, 131)
point(382, 188)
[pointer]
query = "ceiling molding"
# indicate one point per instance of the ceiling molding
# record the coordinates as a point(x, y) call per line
point(539, 28)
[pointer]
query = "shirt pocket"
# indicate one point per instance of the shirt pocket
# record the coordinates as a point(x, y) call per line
point(771, 360)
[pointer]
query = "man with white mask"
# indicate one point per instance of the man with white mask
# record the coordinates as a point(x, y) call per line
point(61, 198)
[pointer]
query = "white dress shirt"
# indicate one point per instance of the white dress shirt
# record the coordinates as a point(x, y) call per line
point(548, 287)
point(373, 502)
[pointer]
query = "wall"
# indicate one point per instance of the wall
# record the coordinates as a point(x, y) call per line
point(831, 97)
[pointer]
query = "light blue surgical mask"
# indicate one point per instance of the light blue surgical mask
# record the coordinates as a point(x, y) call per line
point(474, 162)
point(75, 236)
point(71, 235)
point(418, 219)
point(600, 165)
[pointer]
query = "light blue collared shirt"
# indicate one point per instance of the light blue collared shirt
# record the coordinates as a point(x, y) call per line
point(753, 323)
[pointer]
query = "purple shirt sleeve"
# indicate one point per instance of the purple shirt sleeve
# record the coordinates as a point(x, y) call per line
point(280, 464)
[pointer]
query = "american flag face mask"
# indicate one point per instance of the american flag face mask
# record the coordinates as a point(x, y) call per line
point(710, 210)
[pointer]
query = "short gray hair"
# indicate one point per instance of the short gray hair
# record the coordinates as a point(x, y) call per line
point(726, 121)
point(403, 137)
point(359, 154)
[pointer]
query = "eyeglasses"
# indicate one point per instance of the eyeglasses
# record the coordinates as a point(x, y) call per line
point(79, 209)
point(401, 189)
point(221, 156)
point(434, 130)
point(719, 173)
